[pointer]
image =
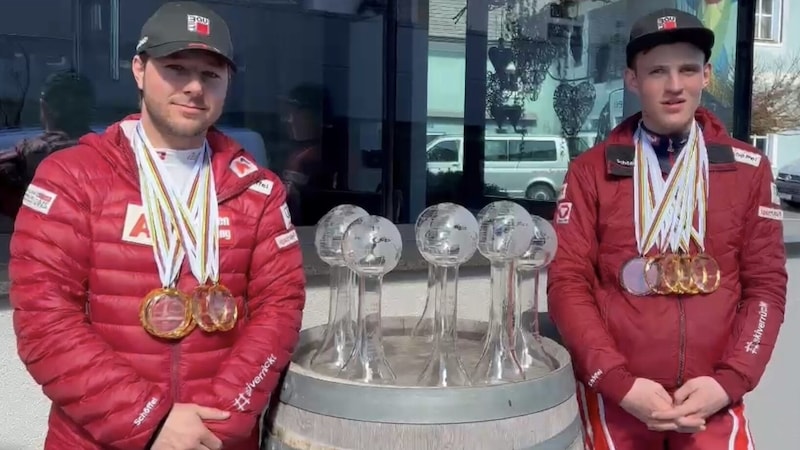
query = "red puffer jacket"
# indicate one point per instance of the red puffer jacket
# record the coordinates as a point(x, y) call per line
point(613, 336)
point(80, 265)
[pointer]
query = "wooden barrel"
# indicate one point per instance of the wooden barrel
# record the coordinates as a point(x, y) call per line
point(320, 412)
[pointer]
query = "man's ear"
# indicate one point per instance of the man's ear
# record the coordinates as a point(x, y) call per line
point(707, 74)
point(631, 82)
point(137, 68)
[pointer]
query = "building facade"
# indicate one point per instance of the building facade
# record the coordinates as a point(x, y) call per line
point(777, 63)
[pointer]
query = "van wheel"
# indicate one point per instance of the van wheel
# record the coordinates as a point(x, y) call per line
point(540, 192)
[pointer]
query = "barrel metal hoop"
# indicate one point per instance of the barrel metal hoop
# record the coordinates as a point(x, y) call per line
point(564, 439)
point(423, 405)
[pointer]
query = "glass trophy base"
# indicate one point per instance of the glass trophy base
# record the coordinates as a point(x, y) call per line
point(444, 370)
point(531, 352)
point(374, 371)
point(408, 357)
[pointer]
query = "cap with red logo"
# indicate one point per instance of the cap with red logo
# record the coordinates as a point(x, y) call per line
point(178, 26)
point(668, 26)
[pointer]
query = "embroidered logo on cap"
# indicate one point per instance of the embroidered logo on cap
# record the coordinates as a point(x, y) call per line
point(667, 23)
point(198, 24)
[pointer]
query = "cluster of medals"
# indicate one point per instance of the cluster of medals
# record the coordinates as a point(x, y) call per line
point(183, 223)
point(670, 216)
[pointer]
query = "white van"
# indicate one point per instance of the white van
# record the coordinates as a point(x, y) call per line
point(532, 167)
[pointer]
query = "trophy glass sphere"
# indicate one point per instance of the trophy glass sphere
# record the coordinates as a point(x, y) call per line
point(505, 233)
point(330, 232)
point(529, 345)
point(447, 236)
point(372, 247)
point(339, 337)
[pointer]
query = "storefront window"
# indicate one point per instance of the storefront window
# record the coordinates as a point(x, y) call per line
point(522, 87)
point(391, 105)
point(307, 99)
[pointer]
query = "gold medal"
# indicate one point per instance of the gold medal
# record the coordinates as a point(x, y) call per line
point(687, 284)
point(705, 273)
point(214, 308)
point(654, 276)
point(165, 313)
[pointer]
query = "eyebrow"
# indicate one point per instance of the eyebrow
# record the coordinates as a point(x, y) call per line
point(687, 65)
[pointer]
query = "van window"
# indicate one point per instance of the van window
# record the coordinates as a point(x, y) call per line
point(495, 150)
point(444, 151)
point(536, 151)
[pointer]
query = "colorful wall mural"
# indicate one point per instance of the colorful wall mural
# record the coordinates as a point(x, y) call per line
point(721, 16)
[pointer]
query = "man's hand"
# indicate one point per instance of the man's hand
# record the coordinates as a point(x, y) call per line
point(698, 398)
point(184, 429)
point(646, 398)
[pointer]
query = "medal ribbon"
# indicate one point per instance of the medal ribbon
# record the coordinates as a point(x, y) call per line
point(190, 217)
point(681, 233)
point(655, 210)
point(658, 212)
point(701, 194)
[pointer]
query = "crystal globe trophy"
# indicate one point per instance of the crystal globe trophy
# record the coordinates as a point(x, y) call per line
point(372, 247)
point(447, 236)
point(505, 233)
point(339, 337)
point(542, 250)
point(424, 326)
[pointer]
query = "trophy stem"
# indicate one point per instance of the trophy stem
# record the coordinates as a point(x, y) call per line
point(368, 363)
point(444, 367)
point(498, 362)
point(529, 345)
point(424, 326)
point(338, 340)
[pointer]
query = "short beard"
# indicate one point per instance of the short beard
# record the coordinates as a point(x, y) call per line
point(162, 123)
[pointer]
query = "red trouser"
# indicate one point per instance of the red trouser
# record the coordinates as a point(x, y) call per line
point(606, 426)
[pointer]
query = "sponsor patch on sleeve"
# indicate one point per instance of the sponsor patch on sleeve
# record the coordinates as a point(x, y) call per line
point(262, 187)
point(39, 199)
point(746, 157)
point(287, 216)
point(242, 167)
point(776, 199)
point(286, 239)
point(770, 213)
point(563, 213)
point(562, 194)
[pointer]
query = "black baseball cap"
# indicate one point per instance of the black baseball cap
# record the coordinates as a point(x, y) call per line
point(178, 26)
point(668, 26)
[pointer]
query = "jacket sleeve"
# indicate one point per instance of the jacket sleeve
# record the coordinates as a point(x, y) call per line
point(571, 279)
point(275, 299)
point(78, 371)
point(763, 278)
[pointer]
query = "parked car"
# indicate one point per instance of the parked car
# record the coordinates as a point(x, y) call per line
point(533, 167)
point(788, 183)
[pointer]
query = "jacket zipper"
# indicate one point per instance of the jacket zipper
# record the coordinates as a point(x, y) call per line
point(175, 353)
point(682, 350)
point(175, 358)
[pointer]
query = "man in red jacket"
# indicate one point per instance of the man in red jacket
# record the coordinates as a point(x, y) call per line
point(669, 285)
point(156, 276)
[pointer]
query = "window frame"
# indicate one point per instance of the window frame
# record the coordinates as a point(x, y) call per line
point(776, 22)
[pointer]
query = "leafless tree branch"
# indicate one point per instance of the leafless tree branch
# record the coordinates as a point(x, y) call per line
point(776, 95)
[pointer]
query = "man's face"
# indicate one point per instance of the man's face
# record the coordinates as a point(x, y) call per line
point(669, 80)
point(183, 94)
